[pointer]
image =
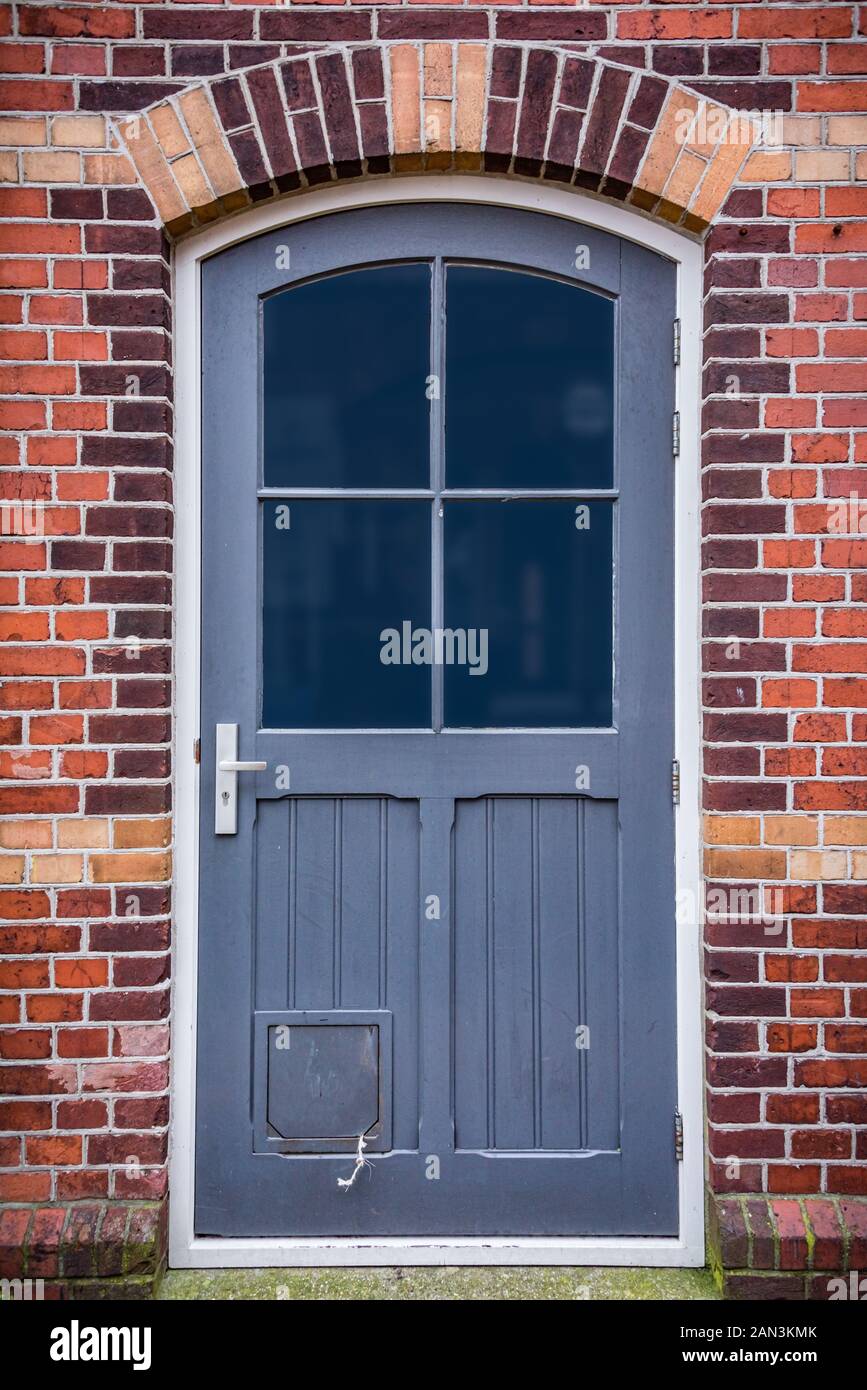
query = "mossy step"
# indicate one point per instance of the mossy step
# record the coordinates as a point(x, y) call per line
point(448, 1282)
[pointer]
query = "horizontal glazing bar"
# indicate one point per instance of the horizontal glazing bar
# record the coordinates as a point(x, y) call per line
point(342, 493)
point(422, 494)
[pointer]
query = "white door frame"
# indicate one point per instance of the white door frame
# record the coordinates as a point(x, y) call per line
point(185, 1249)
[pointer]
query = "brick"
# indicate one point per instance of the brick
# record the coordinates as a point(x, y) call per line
point(837, 96)
point(535, 110)
point(786, 298)
point(469, 118)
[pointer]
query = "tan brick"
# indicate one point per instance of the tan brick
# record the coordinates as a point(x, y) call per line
point(438, 70)
point(845, 830)
point(437, 125)
point(11, 868)
point(142, 834)
point(847, 130)
point(83, 833)
point(684, 179)
point(732, 830)
point(109, 169)
point(23, 130)
point(766, 166)
point(214, 153)
point(56, 868)
point(745, 863)
point(470, 116)
point(721, 173)
point(191, 182)
point(666, 143)
point(130, 868)
point(861, 166)
point(817, 865)
point(821, 166)
point(859, 865)
point(81, 132)
point(791, 830)
point(170, 134)
point(802, 130)
point(25, 834)
point(405, 97)
point(155, 172)
point(709, 125)
point(8, 166)
point(45, 166)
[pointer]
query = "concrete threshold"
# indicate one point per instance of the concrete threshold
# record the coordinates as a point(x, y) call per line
point(447, 1283)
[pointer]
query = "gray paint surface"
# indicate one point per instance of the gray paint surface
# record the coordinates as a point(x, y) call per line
point(556, 908)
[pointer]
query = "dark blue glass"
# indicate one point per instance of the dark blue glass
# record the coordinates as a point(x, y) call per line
point(335, 575)
point(529, 382)
point(540, 587)
point(346, 363)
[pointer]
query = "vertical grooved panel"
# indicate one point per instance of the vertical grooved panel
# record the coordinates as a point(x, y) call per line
point(401, 930)
point(360, 909)
point(342, 931)
point(272, 959)
point(536, 958)
point(560, 972)
point(490, 1018)
point(337, 904)
point(312, 872)
point(513, 973)
point(472, 985)
point(536, 973)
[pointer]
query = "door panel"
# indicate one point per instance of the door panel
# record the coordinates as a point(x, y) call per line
point(447, 915)
point(338, 926)
point(536, 946)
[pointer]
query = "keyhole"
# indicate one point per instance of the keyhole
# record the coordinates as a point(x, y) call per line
point(225, 798)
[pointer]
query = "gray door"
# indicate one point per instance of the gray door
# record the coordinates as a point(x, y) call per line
point(437, 584)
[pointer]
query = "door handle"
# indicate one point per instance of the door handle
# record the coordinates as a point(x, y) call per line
point(226, 779)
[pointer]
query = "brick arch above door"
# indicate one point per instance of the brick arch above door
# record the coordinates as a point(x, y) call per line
point(539, 112)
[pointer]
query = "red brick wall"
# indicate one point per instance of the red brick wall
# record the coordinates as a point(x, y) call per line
point(85, 406)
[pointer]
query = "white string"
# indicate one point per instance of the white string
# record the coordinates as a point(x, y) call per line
point(360, 1162)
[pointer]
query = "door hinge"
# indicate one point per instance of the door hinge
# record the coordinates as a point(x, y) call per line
point(678, 1136)
point(197, 750)
point(675, 433)
point(676, 342)
point(675, 781)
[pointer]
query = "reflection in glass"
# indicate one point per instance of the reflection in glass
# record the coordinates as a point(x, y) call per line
point(335, 575)
point(537, 577)
point(529, 383)
point(346, 363)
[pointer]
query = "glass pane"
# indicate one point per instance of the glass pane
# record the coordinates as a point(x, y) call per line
point(529, 584)
point(335, 575)
point(529, 383)
point(346, 362)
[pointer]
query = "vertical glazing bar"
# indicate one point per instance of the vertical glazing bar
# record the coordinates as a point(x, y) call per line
point(437, 472)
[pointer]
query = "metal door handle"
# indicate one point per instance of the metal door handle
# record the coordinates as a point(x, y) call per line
point(226, 779)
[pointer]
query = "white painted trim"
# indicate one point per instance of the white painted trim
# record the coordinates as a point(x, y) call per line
point(187, 1251)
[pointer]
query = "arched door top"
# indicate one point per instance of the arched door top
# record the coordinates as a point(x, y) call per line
point(538, 112)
